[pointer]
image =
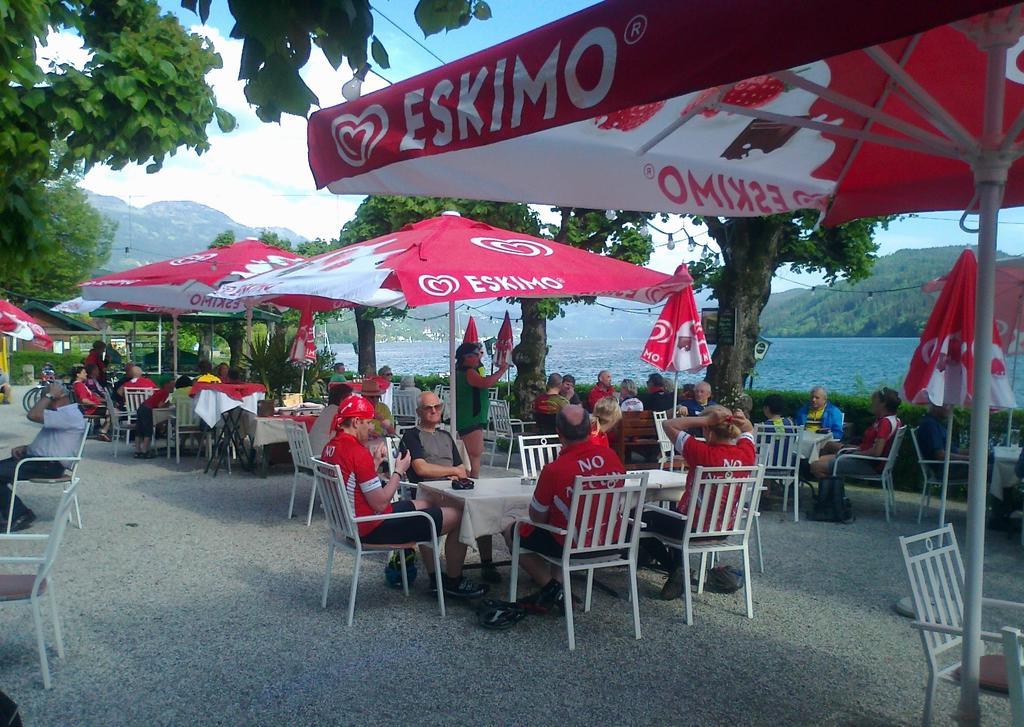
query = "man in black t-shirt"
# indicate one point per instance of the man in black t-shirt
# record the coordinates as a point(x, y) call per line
point(433, 451)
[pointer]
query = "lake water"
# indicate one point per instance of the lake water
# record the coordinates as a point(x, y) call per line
point(847, 365)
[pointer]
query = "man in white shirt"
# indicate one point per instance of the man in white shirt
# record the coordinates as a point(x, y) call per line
point(63, 424)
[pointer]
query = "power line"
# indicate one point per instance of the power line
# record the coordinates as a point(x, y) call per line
point(408, 35)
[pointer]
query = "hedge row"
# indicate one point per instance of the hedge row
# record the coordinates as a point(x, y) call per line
point(62, 363)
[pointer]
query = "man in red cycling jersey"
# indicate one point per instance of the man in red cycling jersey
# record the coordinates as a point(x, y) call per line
point(367, 495)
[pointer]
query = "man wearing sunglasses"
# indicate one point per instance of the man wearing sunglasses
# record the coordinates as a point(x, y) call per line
point(433, 451)
point(436, 457)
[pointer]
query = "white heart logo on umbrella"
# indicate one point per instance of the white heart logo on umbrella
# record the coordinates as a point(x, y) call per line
point(438, 285)
point(356, 137)
point(524, 248)
point(662, 332)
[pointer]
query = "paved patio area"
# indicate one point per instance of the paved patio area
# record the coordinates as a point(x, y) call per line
point(192, 600)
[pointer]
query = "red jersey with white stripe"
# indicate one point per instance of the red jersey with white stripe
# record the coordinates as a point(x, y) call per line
point(698, 453)
point(882, 428)
point(358, 475)
point(554, 486)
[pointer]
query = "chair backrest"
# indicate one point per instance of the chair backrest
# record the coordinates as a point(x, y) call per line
point(894, 450)
point(185, 412)
point(724, 501)
point(1013, 653)
point(936, 573)
point(925, 472)
point(133, 398)
point(60, 523)
point(664, 442)
point(536, 451)
point(603, 512)
point(778, 448)
point(298, 443)
point(501, 418)
point(403, 406)
point(337, 501)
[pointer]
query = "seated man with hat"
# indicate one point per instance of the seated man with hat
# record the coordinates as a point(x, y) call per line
point(383, 421)
point(368, 495)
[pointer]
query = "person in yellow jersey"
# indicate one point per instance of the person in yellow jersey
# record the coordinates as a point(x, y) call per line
point(820, 415)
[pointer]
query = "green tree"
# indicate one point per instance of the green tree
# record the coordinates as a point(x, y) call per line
point(224, 239)
point(278, 37)
point(752, 249)
point(141, 95)
point(269, 237)
point(82, 239)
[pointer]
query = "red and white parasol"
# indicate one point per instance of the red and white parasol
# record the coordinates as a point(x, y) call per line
point(677, 341)
point(471, 336)
point(505, 343)
point(18, 324)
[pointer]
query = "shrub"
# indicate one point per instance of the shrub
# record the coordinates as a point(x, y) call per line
point(62, 363)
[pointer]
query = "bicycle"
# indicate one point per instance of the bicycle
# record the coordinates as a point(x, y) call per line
point(32, 395)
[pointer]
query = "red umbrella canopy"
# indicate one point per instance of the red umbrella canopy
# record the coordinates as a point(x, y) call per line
point(677, 341)
point(768, 114)
point(451, 258)
point(941, 370)
point(185, 283)
point(471, 336)
point(505, 343)
point(18, 324)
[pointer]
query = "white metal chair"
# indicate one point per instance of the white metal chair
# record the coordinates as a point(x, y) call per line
point(537, 450)
point(931, 476)
point(121, 423)
point(936, 573)
point(603, 532)
point(729, 499)
point(779, 451)
point(133, 398)
point(302, 460)
point(667, 448)
point(503, 427)
point(404, 407)
point(68, 480)
point(884, 477)
point(344, 532)
point(188, 424)
point(1013, 655)
point(31, 588)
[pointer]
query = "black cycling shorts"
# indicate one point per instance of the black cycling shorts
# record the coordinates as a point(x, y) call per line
point(406, 529)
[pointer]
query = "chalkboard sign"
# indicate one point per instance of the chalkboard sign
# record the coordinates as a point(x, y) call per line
point(719, 326)
point(726, 326)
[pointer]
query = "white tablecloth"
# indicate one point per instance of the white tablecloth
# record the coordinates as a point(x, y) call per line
point(1002, 470)
point(494, 503)
point(810, 444)
point(210, 405)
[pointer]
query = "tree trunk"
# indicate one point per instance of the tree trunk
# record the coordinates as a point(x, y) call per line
point(749, 250)
point(205, 343)
point(367, 336)
point(530, 356)
point(236, 341)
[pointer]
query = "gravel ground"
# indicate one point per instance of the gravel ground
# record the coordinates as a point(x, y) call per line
point(192, 600)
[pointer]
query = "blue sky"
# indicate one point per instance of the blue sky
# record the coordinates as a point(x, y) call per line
point(258, 174)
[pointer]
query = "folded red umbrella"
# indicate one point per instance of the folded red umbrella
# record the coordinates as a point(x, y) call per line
point(677, 341)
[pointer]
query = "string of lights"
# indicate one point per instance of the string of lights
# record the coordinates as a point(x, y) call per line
point(868, 293)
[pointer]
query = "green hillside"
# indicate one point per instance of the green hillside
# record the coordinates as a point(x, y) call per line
point(828, 312)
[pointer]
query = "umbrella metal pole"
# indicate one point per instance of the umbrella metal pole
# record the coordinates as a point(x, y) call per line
point(675, 405)
point(945, 466)
point(1013, 380)
point(990, 173)
point(174, 342)
point(451, 367)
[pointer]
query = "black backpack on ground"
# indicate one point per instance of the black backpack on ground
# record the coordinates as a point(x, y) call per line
point(832, 505)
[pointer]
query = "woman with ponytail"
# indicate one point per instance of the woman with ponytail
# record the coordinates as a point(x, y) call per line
point(729, 442)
